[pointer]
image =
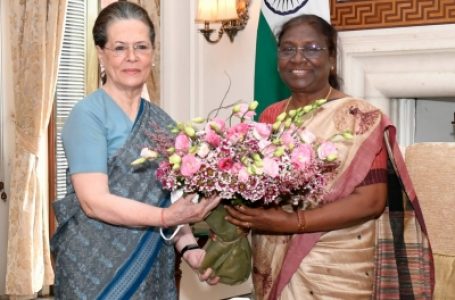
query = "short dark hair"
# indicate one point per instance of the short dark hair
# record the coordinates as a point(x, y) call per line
point(120, 10)
point(322, 27)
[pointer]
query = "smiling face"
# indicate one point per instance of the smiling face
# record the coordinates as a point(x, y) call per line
point(128, 69)
point(308, 75)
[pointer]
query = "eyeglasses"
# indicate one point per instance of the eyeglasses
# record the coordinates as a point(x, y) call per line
point(138, 49)
point(310, 52)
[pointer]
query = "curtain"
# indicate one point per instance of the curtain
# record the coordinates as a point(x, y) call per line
point(36, 29)
point(153, 82)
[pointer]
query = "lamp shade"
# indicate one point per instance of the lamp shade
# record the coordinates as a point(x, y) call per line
point(216, 10)
point(227, 10)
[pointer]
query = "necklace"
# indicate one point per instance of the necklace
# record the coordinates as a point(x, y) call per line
point(290, 98)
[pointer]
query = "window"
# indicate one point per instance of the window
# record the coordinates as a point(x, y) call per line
point(70, 89)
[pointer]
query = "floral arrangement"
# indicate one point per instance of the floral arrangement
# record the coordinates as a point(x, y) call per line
point(250, 163)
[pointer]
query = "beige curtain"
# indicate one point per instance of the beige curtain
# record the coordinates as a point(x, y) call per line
point(153, 83)
point(36, 34)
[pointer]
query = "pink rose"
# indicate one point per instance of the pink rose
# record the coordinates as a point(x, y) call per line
point(237, 132)
point(212, 138)
point(262, 131)
point(225, 164)
point(163, 168)
point(190, 165)
point(236, 168)
point(287, 139)
point(241, 172)
point(243, 175)
point(182, 142)
point(263, 144)
point(327, 151)
point(271, 167)
point(241, 128)
point(302, 156)
point(244, 112)
point(267, 148)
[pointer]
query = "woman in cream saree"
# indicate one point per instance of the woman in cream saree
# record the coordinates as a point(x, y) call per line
point(388, 257)
point(368, 239)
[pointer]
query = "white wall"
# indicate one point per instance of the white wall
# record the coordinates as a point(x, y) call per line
point(394, 63)
point(193, 83)
point(193, 71)
point(407, 62)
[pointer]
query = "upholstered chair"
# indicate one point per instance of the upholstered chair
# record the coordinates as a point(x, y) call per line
point(432, 170)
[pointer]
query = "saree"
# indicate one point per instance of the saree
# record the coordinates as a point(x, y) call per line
point(385, 258)
point(97, 260)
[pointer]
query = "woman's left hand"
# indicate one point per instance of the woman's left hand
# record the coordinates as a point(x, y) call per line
point(273, 219)
point(186, 211)
point(194, 258)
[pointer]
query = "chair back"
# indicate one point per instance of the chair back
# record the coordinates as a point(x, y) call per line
point(431, 167)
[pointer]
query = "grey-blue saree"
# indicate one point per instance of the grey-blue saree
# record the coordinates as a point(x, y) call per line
point(96, 260)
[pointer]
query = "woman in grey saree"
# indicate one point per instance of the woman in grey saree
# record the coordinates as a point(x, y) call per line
point(107, 244)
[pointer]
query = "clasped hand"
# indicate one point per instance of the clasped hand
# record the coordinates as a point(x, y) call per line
point(273, 219)
point(194, 259)
point(185, 211)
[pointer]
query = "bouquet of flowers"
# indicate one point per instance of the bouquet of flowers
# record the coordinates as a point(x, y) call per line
point(249, 163)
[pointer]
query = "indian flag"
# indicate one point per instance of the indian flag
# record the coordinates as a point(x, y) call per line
point(268, 87)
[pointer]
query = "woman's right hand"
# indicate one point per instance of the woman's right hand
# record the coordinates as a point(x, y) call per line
point(194, 259)
point(185, 211)
point(272, 219)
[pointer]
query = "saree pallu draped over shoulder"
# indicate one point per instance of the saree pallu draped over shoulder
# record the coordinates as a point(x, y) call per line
point(386, 258)
point(96, 260)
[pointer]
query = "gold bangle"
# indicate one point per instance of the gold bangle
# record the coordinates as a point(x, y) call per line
point(301, 221)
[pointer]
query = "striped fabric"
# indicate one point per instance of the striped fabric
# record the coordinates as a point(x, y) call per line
point(404, 265)
point(378, 171)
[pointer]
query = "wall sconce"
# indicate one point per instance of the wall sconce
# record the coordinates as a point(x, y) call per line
point(232, 14)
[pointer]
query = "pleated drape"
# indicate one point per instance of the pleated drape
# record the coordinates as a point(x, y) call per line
point(36, 29)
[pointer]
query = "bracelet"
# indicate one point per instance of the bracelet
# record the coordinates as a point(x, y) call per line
point(301, 225)
point(189, 247)
point(162, 218)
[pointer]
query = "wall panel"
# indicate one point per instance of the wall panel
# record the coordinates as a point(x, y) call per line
point(367, 14)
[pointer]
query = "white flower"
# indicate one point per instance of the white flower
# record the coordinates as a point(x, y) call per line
point(148, 153)
point(307, 136)
point(203, 150)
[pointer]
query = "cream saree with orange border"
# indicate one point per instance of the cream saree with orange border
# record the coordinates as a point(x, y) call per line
point(359, 262)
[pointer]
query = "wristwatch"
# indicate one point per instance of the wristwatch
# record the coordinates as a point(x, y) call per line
point(189, 247)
